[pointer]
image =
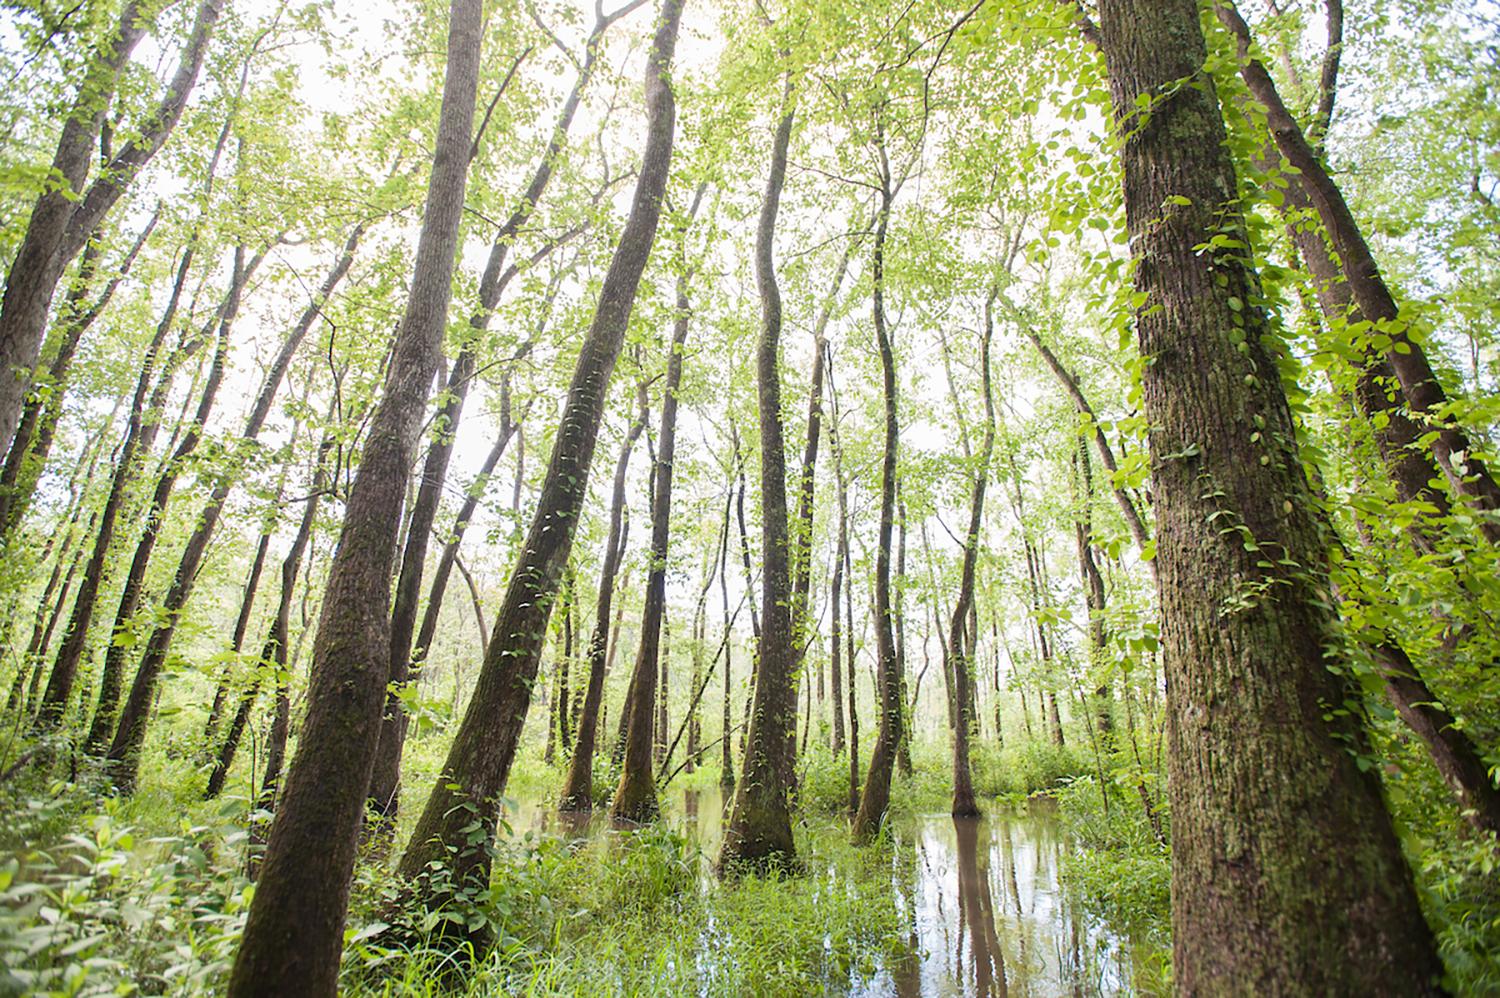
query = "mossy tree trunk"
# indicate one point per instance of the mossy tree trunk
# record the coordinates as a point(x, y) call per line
point(1264, 782)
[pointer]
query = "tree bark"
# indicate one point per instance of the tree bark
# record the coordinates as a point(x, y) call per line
point(484, 747)
point(294, 934)
point(1245, 638)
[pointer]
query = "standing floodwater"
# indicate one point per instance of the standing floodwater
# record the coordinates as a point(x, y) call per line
point(980, 899)
point(988, 915)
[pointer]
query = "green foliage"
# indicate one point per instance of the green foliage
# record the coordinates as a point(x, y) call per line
point(1461, 881)
point(108, 907)
point(632, 914)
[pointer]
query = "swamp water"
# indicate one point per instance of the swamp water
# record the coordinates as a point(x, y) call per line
point(983, 911)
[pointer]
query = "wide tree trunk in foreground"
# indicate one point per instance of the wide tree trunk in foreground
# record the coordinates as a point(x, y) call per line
point(484, 747)
point(1286, 872)
point(294, 934)
point(760, 824)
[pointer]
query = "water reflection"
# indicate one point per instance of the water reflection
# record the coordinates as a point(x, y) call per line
point(988, 918)
point(987, 957)
point(984, 912)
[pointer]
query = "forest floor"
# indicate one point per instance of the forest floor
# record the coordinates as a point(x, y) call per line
point(150, 893)
point(1050, 892)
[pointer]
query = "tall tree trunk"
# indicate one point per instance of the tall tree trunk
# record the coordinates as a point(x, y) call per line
point(1093, 591)
point(853, 698)
point(1453, 753)
point(760, 826)
point(578, 788)
point(565, 664)
point(877, 792)
point(836, 678)
point(281, 717)
point(67, 216)
point(739, 513)
point(34, 688)
point(241, 625)
point(898, 606)
point(385, 780)
point(1069, 384)
point(726, 748)
point(995, 642)
point(802, 531)
point(961, 646)
point(635, 796)
point(659, 729)
point(479, 760)
point(444, 570)
point(303, 891)
point(52, 597)
point(1244, 646)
